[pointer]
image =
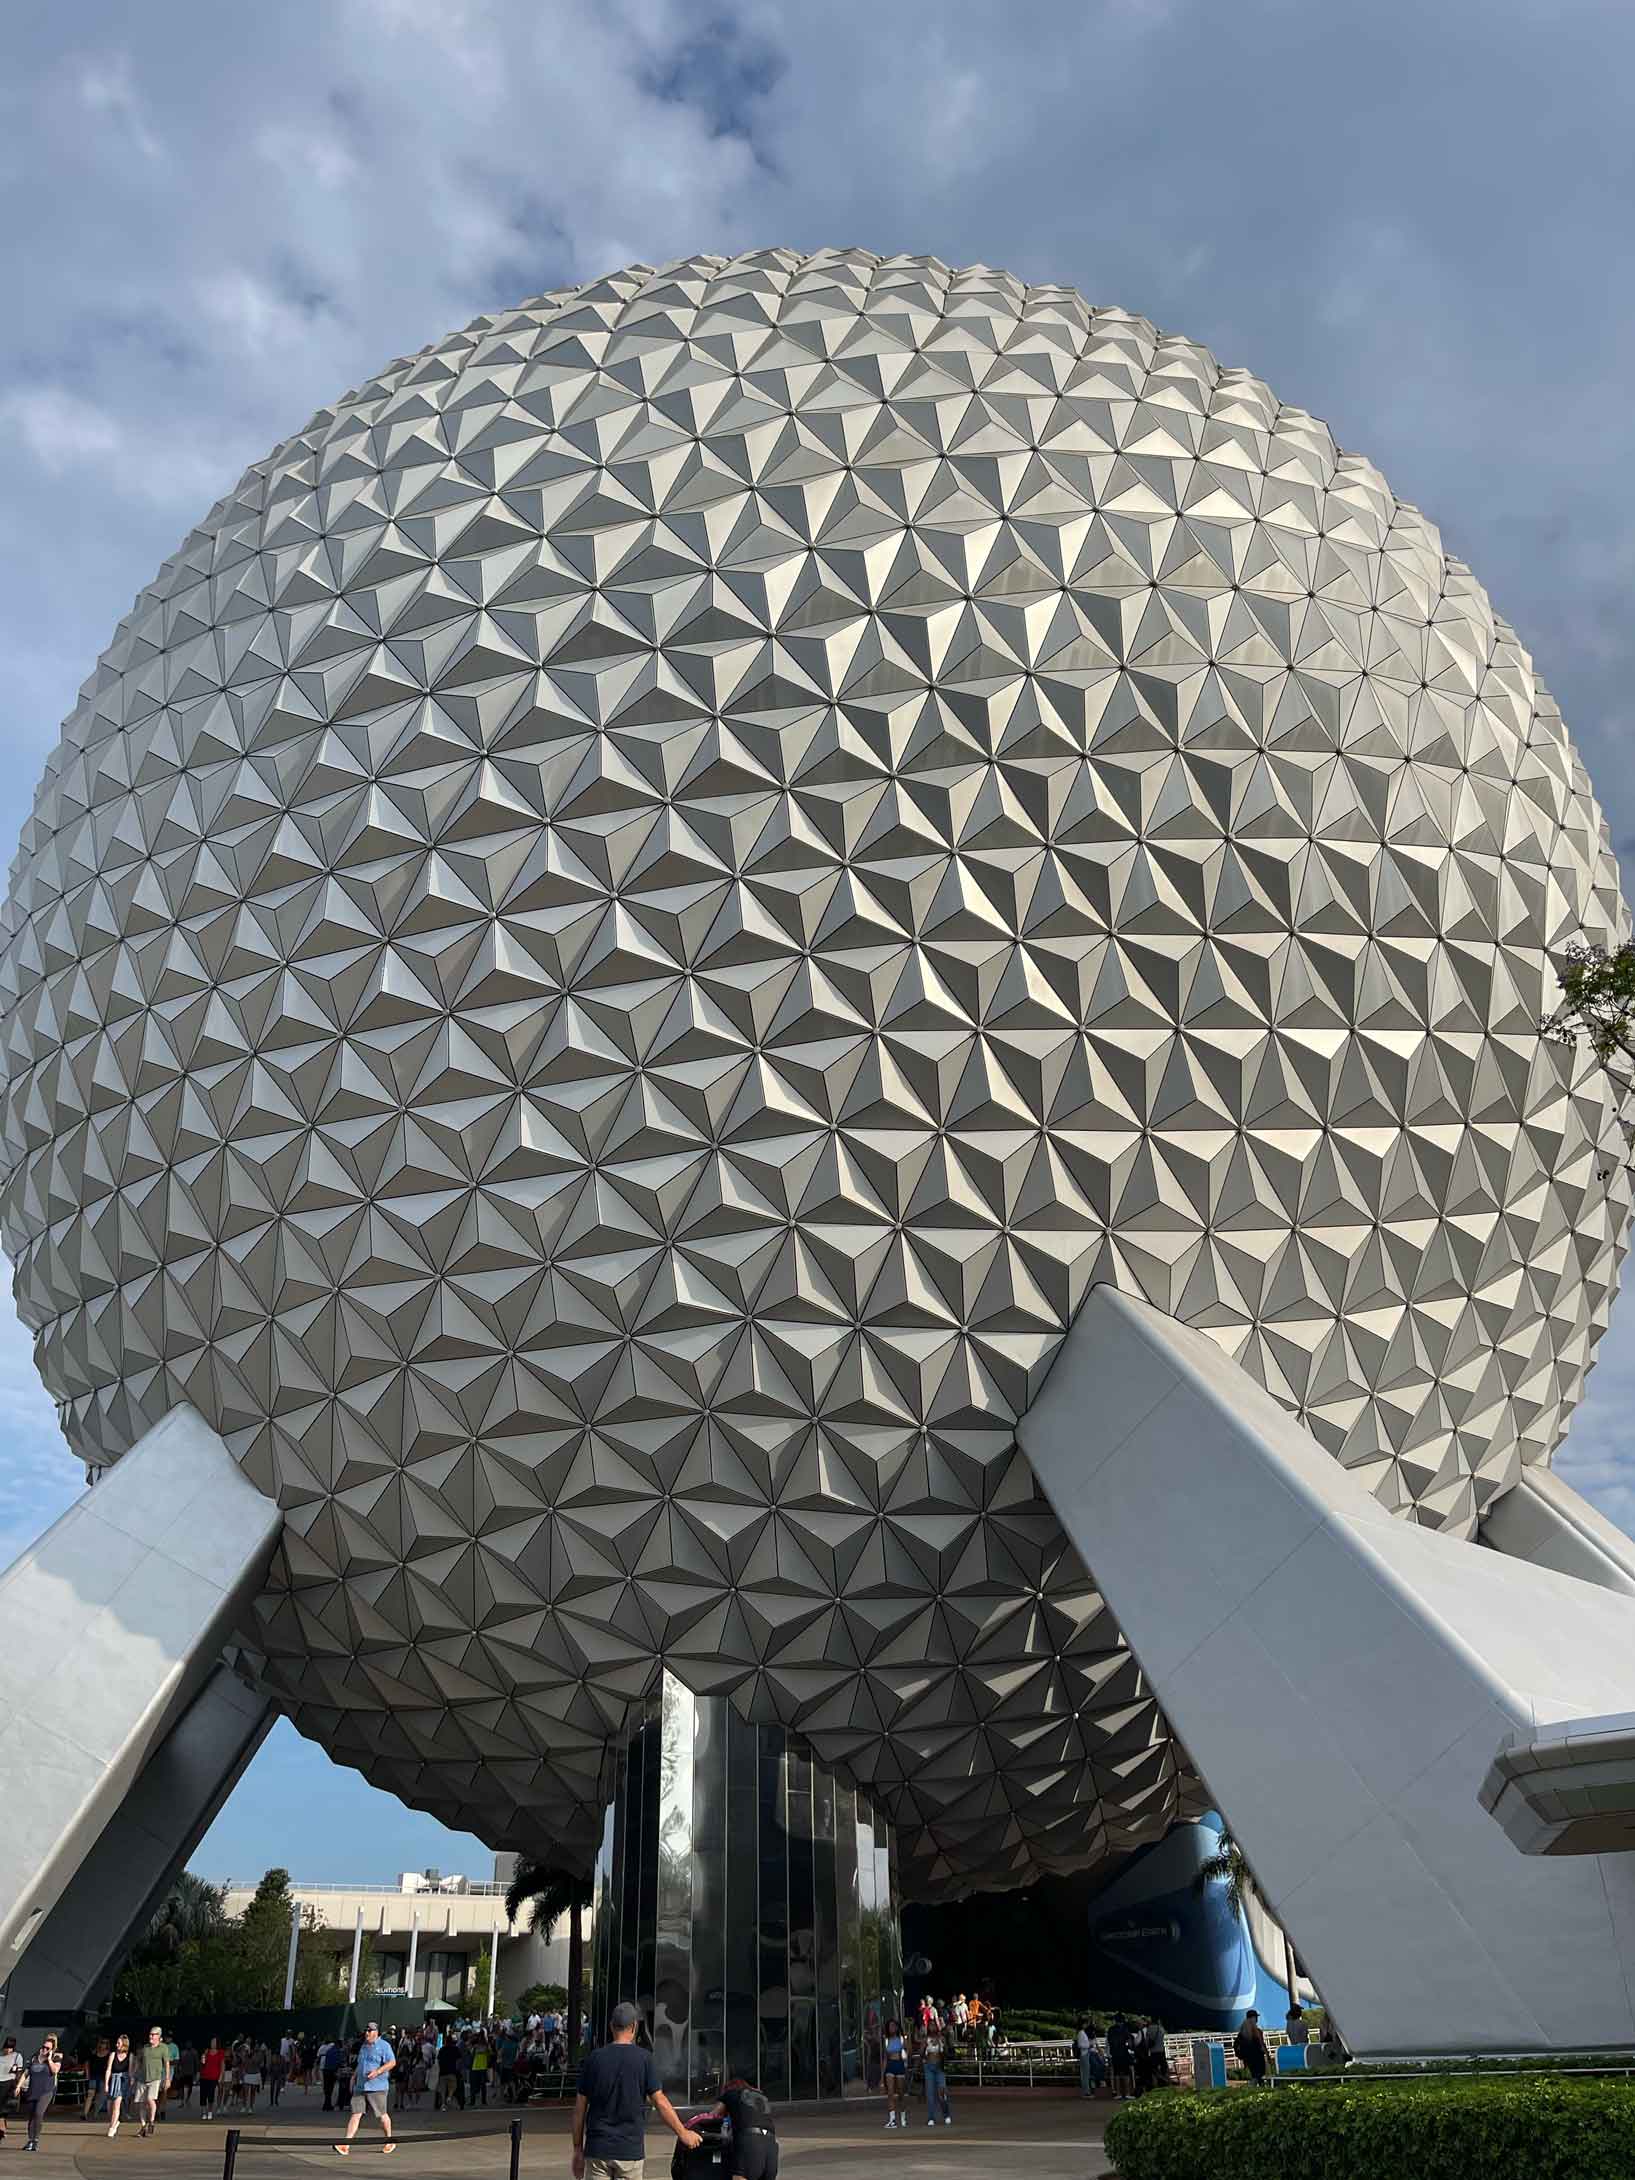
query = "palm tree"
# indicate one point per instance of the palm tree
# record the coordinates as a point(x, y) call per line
point(550, 1892)
point(190, 1907)
point(1227, 1866)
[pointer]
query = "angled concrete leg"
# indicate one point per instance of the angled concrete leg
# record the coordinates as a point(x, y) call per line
point(1361, 1695)
point(111, 1626)
point(70, 1962)
point(1543, 1520)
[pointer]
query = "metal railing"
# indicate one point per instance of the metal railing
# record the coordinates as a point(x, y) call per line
point(1455, 2074)
point(376, 1889)
point(1036, 2064)
point(234, 2143)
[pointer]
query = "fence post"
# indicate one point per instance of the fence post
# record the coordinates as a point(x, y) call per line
point(229, 2154)
point(516, 2149)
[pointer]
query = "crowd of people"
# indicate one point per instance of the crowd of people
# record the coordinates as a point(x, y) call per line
point(1127, 2061)
point(154, 2078)
point(467, 2064)
point(473, 2062)
point(967, 2023)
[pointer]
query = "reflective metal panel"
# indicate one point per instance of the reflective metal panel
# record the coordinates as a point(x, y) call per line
point(673, 1882)
point(802, 1930)
point(744, 1885)
point(711, 1887)
point(774, 1971)
point(743, 1900)
point(850, 1908)
point(648, 1891)
point(826, 1927)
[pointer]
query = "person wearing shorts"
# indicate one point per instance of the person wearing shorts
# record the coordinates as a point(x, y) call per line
point(371, 2079)
point(896, 2073)
point(448, 2074)
point(616, 2085)
point(117, 2070)
point(251, 2073)
point(151, 2078)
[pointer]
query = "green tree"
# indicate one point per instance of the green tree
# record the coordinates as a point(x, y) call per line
point(549, 1892)
point(194, 1959)
point(264, 1939)
point(1598, 1007)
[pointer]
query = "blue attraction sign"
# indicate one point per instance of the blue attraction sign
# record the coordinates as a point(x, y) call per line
point(1161, 1946)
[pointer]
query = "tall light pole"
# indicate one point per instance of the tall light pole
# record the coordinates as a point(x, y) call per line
point(414, 1947)
point(295, 1940)
point(357, 1948)
point(493, 1968)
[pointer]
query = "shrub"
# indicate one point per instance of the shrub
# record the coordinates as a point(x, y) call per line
point(1524, 2128)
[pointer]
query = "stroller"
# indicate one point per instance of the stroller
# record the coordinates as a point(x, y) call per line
point(712, 2160)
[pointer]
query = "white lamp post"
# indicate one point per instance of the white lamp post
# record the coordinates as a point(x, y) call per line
point(357, 1949)
point(295, 1940)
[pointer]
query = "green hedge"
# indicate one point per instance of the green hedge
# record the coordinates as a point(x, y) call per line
point(1523, 2129)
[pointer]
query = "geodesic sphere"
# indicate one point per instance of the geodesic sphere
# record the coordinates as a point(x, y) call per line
point(628, 926)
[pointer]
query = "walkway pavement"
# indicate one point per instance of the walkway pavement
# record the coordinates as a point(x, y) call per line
point(998, 2135)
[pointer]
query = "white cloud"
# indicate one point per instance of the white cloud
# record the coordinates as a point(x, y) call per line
point(249, 315)
point(59, 428)
point(320, 154)
point(106, 89)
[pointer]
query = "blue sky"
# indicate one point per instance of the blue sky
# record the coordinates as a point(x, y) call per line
point(1417, 221)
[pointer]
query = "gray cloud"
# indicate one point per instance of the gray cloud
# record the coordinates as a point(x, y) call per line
point(1414, 221)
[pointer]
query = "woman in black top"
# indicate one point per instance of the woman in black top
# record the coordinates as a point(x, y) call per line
point(754, 2137)
point(41, 2087)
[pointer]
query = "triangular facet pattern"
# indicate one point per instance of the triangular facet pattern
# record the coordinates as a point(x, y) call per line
point(629, 925)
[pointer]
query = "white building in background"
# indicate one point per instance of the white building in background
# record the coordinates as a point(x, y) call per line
point(447, 1925)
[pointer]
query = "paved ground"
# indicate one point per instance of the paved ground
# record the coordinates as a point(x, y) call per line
point(998, 2135)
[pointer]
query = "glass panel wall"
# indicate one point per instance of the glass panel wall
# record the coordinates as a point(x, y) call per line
point(771, 1850)
point(673, 1969)
point(745, 1899)
point(711, 1882)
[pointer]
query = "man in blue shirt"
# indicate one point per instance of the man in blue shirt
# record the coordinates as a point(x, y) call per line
point(371, 2079)
point(610, 2111)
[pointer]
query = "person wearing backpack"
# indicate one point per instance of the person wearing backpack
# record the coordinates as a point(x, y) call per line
point(1252, 2050)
